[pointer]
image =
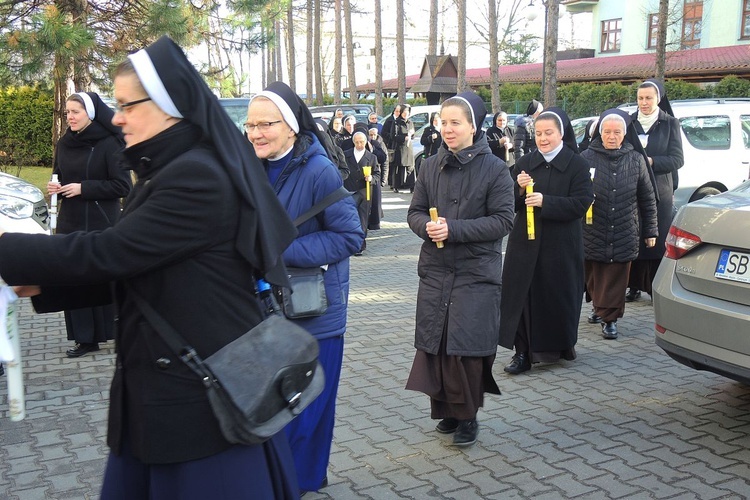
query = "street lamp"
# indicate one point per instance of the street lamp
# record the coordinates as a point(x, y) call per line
point(549, 58)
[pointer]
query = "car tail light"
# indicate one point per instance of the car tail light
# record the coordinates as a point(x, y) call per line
point(660, 328)
point(680, 242)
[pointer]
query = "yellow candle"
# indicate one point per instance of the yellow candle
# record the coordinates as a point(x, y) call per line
point(367, 171)
point(590, 214)
point(434, 218)
point(530, 214)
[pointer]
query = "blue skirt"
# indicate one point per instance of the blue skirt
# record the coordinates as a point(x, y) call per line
point(264, 471)
point(311, 433)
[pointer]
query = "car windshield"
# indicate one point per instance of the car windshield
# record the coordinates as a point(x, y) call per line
point(707, 132)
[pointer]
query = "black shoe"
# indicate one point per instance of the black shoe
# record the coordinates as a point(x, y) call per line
point(609, 330)
point(518, 364)
point(632, 295)
point(447, 426)
point(594, 318)
point(358, 254)
point(81, 349)
point(466, 432)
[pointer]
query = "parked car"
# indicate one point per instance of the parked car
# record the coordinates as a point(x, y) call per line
point(420, 115)
point(360, 111)
point(23, 208)
point(702, 288)
point(236, 108)
point(579, 126)
point(716, 144)
point(487, 123)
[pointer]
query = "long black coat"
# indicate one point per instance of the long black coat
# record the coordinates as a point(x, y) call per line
point(403, 130)
point(547, 272)
point(623, 189)
point(90, 158)
point(459, 284)
point(175, 244)
point(665, 148)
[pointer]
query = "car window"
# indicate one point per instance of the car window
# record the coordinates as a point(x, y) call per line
point(745, 123)
point(419, 119)
point(707, 132)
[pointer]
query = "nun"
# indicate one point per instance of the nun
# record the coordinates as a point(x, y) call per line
point(543, 277)
point(659, 133)
point(623, 214)
point(201, 224)
point(297, 161)
point(91, 184)
point(458, 301)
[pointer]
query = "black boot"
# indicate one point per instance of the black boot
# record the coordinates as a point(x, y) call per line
point(518, 364)
point(82, 348)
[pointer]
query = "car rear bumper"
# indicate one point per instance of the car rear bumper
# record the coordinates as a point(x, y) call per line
point(701, 332)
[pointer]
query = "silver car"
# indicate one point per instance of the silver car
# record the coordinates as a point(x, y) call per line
point(23, 208)
point(702, 287)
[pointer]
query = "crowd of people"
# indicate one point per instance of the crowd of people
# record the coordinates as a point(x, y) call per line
point(211, 211)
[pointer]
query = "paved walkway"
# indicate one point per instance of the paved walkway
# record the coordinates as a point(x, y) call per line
point(621, 421)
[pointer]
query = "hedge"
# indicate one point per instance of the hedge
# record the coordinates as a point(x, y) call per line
point(25, 127)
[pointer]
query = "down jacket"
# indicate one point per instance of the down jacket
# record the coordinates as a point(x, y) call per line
point(460, 284)
point(327, 239)
point(622, 187)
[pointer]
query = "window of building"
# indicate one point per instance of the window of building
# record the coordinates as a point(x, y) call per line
point(745, 20)
point(653, 28)
point(692, 18)
point(611, 31)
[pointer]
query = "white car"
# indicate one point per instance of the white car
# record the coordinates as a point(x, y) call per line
point(23, 208)
point(715, 143)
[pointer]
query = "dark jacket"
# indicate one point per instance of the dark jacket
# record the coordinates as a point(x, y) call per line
point(403, 130)
point(622, 188)
point(459, 284)
point(665, 148)
point(329, 238)
point(175, 244)
point(387, 131)
point(356, 181)
point(380, 151)
point(90, 157)
point(431, 145)
point(523, 139)
point(494, 139)
point(546, 274)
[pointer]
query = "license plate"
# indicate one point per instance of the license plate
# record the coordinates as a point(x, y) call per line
point(733, 266)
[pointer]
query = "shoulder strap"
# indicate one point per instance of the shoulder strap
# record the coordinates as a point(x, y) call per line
point(174, 340)
point(329, 200)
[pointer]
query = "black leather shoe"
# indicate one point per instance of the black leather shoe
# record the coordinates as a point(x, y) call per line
point(466, 432)
point(81, 349)
point(447, 426)
point(593, 318)
point(632, 295)
point(609, 330)
point(518, 364)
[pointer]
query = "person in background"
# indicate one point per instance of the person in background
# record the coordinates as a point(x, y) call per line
point(458, 302)
point(387, 133)
point(91, 184)
point(285, 138)
point(587, 133)
point(356, 158)
point(431, 138)
point(623, 190)
point(381, 153)
point(500, 138)
point(543, 277)
point(372, 122)
point(659, 132)
point(523, 139)
point(191, 241)
point(344, 138)
point(335, 127)
point(403, 157)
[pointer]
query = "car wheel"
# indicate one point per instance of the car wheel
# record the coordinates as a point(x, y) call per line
point(704, 192)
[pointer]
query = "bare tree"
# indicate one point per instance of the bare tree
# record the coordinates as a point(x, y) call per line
point(291, 63)
point(337, 50)
point(352, 80)
point(400, 60)
point(278, 64)
point(661, 40)
point(309, 54)
point(432, 42)
point(318, 62)
point(494, 59)
point(378, 59)
point(461, 85)
point(550, 53)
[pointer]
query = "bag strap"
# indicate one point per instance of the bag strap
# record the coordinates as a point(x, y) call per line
point(329, 200)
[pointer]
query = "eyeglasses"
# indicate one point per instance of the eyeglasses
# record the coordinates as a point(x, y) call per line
point(120, 108)
point(262, 127)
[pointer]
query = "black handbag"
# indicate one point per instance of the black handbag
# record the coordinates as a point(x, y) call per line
point(257, 383)
point(306, 295)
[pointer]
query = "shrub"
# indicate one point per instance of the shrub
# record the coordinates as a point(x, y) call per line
point(25, 126)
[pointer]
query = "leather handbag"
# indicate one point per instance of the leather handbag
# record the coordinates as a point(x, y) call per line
point(306, 295)
point(257, 383)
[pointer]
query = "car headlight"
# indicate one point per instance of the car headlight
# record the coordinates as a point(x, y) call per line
point(15, 208)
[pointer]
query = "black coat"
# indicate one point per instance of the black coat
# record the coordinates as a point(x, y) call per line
point(403, 131)
point(431, 145)
point(495, 138)
point(546, 274)
point(356, 181)
point(90, 158)
point(523, 139)
point(622, 189)
point(459, 284)
point(665, 148)
point(175, 244)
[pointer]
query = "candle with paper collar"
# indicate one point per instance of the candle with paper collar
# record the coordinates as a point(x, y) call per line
point(590, 211)
point(530, 214)
point(367, 171)
point(16, 397)
point(53, 207)
point(434, 218)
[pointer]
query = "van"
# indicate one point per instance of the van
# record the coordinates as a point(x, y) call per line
point(715, 145)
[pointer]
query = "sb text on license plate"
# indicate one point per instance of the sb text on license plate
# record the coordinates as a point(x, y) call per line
point(733, 266)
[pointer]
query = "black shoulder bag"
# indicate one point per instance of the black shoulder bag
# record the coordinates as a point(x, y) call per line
point(257, 383)
point(306, 296)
